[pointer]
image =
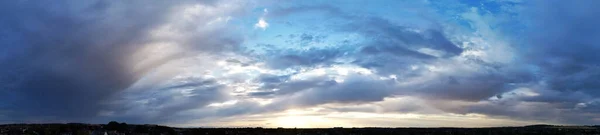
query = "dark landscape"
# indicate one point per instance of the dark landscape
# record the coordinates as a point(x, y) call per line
point(115, 128)
point(299, 67)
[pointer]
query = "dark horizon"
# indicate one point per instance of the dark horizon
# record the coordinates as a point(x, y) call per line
point(115, 128)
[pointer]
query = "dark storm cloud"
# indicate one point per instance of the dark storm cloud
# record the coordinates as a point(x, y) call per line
point(384, 63)
point(291, 87)
point(268, 83)
point(592, 106)
point(563, 43)
point(558, 112)
point(63, 60)
point(393, 50)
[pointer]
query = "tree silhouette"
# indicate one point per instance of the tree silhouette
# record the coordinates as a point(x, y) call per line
point(116, 126)
point(123, 128)
point(113, 125)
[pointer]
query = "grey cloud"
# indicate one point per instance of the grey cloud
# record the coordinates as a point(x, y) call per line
point(64, 60)
point(469, 88)
point(563, 44)
point(386, 64)
point(165, 104)
point(355, 89)
point(592, 106)
point(270, 78)
point(286, 11)
point(540, 111)
point(61, 61)
point(558, 97)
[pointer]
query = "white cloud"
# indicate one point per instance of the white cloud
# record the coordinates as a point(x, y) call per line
point(261, 24)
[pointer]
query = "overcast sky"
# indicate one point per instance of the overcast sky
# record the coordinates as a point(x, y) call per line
point(301, 63)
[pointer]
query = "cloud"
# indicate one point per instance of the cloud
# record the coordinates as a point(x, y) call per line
point(163, 104)
point(561, 43)
point(194, 60)
point(64, 61)
point(65, 66)
point(403, 40)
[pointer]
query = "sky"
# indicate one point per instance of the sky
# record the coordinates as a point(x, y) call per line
point(301, 63)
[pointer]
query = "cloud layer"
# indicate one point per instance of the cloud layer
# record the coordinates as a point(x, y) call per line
point(189, 62)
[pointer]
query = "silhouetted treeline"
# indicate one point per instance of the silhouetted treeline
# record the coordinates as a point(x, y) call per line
point(112, 128)
point(116, 128)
